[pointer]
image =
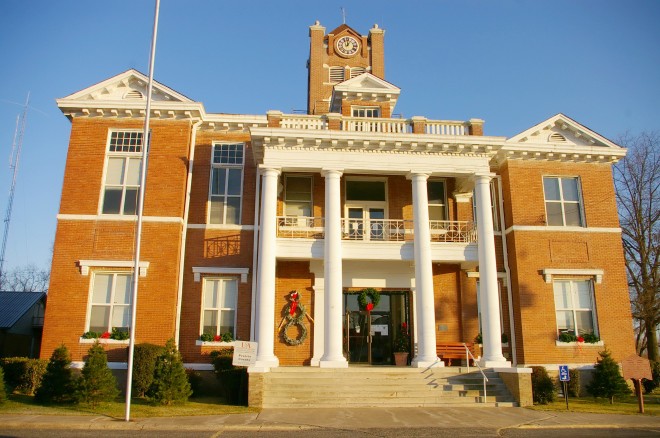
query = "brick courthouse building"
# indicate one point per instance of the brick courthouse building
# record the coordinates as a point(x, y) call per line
point(454, 232)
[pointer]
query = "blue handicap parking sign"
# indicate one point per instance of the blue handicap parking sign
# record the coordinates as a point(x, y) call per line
point(564, 376)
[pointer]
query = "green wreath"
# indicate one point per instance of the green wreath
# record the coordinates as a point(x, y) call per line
point(372, 295)
point(295, 317)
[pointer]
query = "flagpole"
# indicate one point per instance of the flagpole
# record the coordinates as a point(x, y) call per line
point(140, 207)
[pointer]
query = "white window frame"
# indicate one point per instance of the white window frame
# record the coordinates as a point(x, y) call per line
point(563, 202)
point(574, 308)
point(90, 304)
point(127, 156)
point(226, 166)
point(223, 279)
point(444, 200)
point(370, 112)
point(311, 192)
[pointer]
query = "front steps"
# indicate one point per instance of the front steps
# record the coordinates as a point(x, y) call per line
point(366, 386)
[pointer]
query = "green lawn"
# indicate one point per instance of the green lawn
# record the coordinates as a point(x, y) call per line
point(23, 404)
point(622, 405)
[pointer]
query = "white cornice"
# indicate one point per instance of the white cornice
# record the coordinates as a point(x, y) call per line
point(213, 270)
point(559, 229)
point(84, 265)
point(548, 273)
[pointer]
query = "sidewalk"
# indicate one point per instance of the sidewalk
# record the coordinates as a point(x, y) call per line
point(343, 418)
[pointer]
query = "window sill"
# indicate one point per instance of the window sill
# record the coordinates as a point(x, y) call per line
point(584, 344)
point(103, 341)
point(214, 344)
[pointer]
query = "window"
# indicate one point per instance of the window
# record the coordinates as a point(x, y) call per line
point(562, 201)
point(219, 311)
point(493, 206)
point(365, 111)
point(226, 183)
point(365, 190)
point(357, 71)
point(110, 302)
point(336, 74)
point(122, 173)
point(574, 307)
point(437, 200)
point(298, 196)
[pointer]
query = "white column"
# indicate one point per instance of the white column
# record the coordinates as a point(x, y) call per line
point(488, 294)
point(316, 268)
point(425, 303)
point(266, 358)
point(333, 356)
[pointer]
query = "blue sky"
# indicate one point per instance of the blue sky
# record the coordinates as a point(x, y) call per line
point(512, 63)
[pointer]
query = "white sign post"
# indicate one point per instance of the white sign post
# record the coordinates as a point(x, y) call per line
point(564, 377)
point(245, 353)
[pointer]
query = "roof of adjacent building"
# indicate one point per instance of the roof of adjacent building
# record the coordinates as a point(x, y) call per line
point(13, 306)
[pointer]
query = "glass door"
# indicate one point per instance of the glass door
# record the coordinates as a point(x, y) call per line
point(369, 336)
point(366, 223)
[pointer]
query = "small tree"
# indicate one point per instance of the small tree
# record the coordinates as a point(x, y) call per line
point(3, 391)
point(607, 380)
point(543, 390)
point(57, 385)
point(574, 385)
point(144, 365)
point(650, 385)
point(170, 383)
point(97, 384)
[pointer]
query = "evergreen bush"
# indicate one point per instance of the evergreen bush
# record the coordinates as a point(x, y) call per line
point(57, 385)
point(233, 380)
point(144, 364)
point(650, 385)
point(543, 389)
point(22, 374)
point(3, 390)
point(97, 384)
point(170, 384)
point(573, 385)
point(607, 380)
point(195, 379)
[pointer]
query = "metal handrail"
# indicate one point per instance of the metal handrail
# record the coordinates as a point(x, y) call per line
point(468, 354)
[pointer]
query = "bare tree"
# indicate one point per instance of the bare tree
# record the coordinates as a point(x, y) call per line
point(28, 278)
point(637, 179)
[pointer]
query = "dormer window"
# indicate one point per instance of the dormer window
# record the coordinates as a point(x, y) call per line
point(365, 111)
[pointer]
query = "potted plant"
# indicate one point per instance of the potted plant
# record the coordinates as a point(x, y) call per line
point(402, 346)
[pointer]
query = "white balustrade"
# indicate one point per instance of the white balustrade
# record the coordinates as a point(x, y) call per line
point(439, 127)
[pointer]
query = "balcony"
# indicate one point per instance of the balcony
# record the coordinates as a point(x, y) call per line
point(375, 230)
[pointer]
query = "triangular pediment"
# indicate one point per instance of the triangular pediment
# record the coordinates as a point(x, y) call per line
point(129, 86)
point(561, 130)
point(367, 82)
point(344, 29)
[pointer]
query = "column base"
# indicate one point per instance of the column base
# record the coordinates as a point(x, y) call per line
point(314, 362)
point(424, 363)
point(494, 363)
point(264, 366)
point(336, 363)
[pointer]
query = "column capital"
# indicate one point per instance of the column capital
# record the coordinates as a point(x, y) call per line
point(263, 169)
point(332, 172)
point(483, 176)
point(413, 174)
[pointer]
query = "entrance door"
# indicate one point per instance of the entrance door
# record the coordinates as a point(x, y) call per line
point(366, 223)
point(369, 336)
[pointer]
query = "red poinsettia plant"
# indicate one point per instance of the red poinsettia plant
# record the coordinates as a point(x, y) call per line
point(105, 335)
point(580, 339)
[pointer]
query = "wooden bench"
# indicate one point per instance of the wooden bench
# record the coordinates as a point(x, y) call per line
point(453, 350)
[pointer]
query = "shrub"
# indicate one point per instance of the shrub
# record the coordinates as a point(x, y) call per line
point(233, 380)
point(144, 364)
point(650, 385)
point(22, 374)
point(97, 384)
point(195, 380)
point(543, 389)
point(3, 391)
point(170, 383)
point(574, 384)
point(57, 384)
point(607, 380)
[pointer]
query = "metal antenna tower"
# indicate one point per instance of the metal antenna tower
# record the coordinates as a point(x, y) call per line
point(14, 159)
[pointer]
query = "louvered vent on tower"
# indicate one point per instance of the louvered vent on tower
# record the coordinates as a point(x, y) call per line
point(336, 74)
point(357, 71)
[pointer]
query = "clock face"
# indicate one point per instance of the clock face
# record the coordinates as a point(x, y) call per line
point(347, 45)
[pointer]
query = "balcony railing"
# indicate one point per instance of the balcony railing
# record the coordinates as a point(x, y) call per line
point(368, 124)
point(375, 230)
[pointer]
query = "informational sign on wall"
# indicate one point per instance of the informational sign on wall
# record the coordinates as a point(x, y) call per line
point(245, 353)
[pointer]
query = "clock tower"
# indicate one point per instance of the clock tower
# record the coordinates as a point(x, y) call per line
point(340, 55)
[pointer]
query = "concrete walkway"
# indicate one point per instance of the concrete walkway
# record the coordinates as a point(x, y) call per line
point(343, 419)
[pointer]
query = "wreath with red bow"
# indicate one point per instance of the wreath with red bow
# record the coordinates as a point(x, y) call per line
point(368, 299)
point(294, 313)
